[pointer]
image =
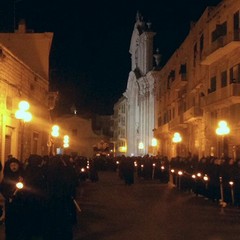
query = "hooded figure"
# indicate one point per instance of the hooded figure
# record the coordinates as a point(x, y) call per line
point(13, 199)
point(61, 188)
point(35, 197)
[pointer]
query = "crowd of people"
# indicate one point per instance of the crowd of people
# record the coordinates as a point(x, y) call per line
point(215, 178)
point(43, 205)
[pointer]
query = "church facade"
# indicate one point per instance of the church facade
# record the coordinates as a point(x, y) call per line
point(140, 91)
point(191, 104)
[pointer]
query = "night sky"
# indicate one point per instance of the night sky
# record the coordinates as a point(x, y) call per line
point(90, 59)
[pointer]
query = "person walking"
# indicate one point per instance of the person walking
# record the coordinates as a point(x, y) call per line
point(13, 200)
point(61, 190)
point(35, 197)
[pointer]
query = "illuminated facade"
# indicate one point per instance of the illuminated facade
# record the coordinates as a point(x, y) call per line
point(120, 127)
point(24, 59)
point(140, 90)
point(82, 138)
point(200, 85)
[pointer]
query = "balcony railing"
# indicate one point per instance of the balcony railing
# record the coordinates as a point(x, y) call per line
point(192, 114)
point(163, 128)
point(176, 122)
point(225, 96)
point(179, 82)
point(222, 46)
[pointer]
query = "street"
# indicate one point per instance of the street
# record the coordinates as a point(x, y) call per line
point(150, 211)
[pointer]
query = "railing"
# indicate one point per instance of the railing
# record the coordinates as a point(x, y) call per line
point(192, 114)
point(224, 96)
point(222, 46)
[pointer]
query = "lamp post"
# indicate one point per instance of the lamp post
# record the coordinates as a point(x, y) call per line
point(154, 145)
point(176, 139)
point(24, 116)
point(222, 130)
point(65, 142)
point(141, 147)
point(231, 183)
point(54, 135)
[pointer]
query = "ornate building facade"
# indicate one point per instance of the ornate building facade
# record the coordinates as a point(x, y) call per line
point(120, 127)
point(200, 85)
point(140, 90)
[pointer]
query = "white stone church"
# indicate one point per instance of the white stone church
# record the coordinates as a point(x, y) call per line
point(138, 97)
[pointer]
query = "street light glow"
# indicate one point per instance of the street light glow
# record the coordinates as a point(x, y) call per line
point(66, 141)
point(177, 137)
point(55, 131)
point(141, 145)
point(154, 142)
point(23, 105)
point(223, 128)
point(22, 112)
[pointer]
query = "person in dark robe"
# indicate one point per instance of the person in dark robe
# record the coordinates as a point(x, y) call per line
point(61, 190)
point(13, 200)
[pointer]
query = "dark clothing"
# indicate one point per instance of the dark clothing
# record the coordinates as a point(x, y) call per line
point(61, 189)
point(35, 197)
point(14, 202)
point(127, 170)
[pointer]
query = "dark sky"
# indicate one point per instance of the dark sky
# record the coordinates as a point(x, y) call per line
point(90, 59)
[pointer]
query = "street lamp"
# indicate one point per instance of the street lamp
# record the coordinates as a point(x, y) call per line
point(154, 145)
point(24, 116)
point(66, 141)
point(54, 134)
point(176, 139)
point(222, 130)
point(141, 146)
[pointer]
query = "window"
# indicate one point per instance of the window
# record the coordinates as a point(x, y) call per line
point(236, 26)
point(194, 54)
point(159, 121)
point(213, 85)
point(201, 45)
point(171, 78)
point(183, 71)
point(165, 118)
point(221, 30)
point(224, 79)
point(234, 74)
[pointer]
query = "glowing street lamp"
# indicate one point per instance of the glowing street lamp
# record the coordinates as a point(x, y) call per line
point(66, 141)
point(222, 130)
point(24, 116)
point(141, 146)
point(176, 139)
point(154, 145)
point(231, 183)
point(55, 131)
point(22, 112)
point(54, 134)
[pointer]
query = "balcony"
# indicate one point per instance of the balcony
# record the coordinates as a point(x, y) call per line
point(221, 47)
point(176, 122)
point(179, 82)
point(192, 114)
point(163, 129)
point(223, 97)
